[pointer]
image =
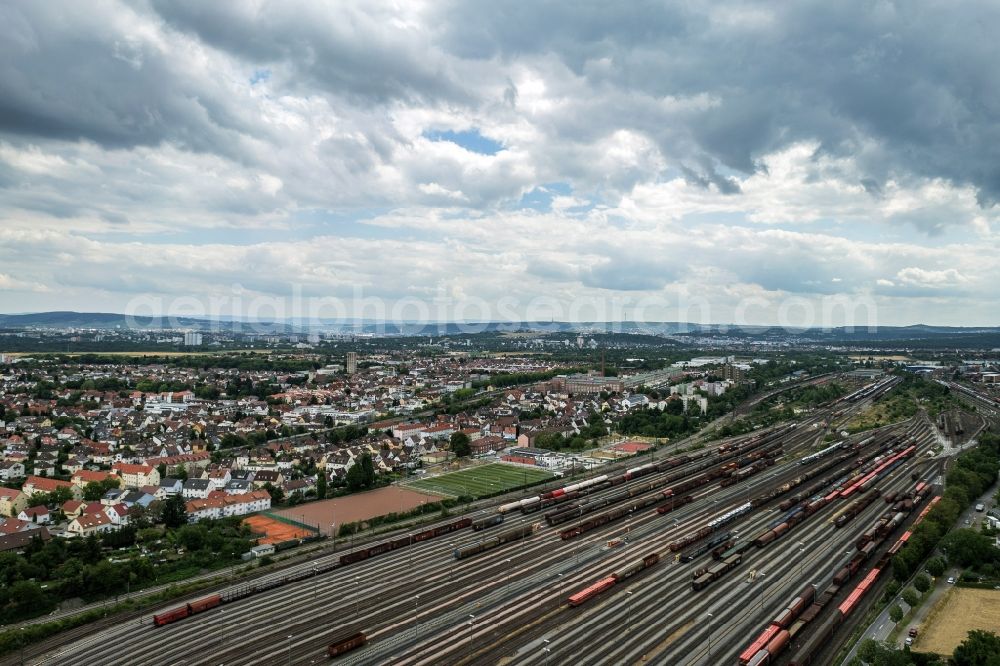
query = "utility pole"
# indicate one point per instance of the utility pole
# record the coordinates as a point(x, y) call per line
point(710, 616)
point(416, 601)
point(357, 597)
point(628, 595)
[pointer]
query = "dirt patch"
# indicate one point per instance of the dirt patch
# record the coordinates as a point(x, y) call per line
point(959, 612)
point(275, 530)
point(359, 506)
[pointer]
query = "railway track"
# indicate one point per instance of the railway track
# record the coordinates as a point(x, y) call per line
point(418, 605)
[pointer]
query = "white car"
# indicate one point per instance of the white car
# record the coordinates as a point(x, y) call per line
point(951, 580)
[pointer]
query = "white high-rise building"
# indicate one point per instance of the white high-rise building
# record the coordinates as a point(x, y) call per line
point(192, 339)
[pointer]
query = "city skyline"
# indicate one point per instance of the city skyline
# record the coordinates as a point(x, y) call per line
point(758, 159)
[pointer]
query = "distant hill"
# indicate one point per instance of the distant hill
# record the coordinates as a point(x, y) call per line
point(108, 320)
point(944, 335)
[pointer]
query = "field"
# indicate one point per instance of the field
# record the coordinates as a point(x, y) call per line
point(960, 611)
point(275, 530)
point(357, 507)
point(482, 480)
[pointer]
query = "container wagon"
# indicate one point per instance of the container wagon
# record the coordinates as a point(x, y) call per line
point(346, 644)
point(618, 576)
point(506, 536)
point(485, 523)
point(591, 591)
point(191, 608)
point(716, 571)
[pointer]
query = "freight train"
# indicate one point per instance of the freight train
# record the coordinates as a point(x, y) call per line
point(883, 468)
point(873, 391)
point(742, 453)
point(776, 636)
point(346, 643)
point(716, 571)
point(691, 554)
point(487, 522)
point(855, 507)
point(403, 541)
point(806, 607)
point(187, 610)
point(609, 581)
point(506, 536)
point(608, 516)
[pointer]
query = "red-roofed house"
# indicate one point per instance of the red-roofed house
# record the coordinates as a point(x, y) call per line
point(439, 431)
point(85, 476)
point(89, 523)
point(404, 430)
point(35, 514)
point(12, 501)
point(13, 525)
point(41, 484)
point(219, 504)
point(118, 513)
point(72, 508)
point(137, 476)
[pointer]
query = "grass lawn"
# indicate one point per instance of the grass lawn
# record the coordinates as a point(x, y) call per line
point(483, 480)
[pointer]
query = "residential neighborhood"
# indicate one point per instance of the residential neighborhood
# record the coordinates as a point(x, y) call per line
point(83, 446)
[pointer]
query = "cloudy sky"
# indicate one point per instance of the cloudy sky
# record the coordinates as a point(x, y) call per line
point(723, 161)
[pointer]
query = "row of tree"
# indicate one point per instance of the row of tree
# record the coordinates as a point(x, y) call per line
point(971, 475)
point(49, 572)
point(980, 648)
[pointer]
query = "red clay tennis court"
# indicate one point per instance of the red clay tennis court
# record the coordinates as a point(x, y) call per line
point(276, 531)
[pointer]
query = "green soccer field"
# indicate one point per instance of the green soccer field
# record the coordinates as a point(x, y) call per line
point(484, 480)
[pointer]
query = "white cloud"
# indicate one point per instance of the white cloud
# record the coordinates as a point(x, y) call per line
point(949, 277)
point(142, 152)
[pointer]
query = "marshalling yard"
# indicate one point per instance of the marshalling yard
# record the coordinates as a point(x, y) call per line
point(757, 549)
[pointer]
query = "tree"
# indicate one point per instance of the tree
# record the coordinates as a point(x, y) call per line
point(180, 472)
point(28, 598)
point(174, 512)
point(321, 484)
point(39, 499)
point(460, 445)
point(231, 441)
point(922, 582)
point(911, 596)
point(980, 648)
point(368, 469)
point(881, 654)
point(355, 478)
point(896, 613)
point(60, 495)
point(936, 566)
point(94, 491)
point(968, 547)
point(276, 493)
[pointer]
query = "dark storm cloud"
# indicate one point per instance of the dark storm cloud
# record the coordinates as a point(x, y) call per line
point(913, 87)
point(345, 51)
point(711, 177)
point(907, 89)
point(73, 71)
